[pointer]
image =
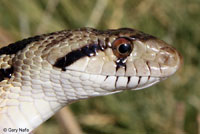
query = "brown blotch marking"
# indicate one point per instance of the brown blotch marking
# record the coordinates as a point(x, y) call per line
point(46, 41)
point(50, 45)
point(50, 37)
point(58, 40)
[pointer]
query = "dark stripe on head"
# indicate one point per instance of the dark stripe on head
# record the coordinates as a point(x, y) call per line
point(70, 58)
point(15, 47)
point(6, 73)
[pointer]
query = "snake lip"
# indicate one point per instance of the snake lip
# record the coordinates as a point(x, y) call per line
point(113, 83)
point(160, 77)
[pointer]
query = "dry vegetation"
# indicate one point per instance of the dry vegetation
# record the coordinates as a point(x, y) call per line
point(171, 107)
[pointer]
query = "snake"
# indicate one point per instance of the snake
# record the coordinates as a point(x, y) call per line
point(40, 75)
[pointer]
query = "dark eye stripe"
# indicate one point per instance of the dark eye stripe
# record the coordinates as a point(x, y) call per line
point(90, 50)
point(73, 56)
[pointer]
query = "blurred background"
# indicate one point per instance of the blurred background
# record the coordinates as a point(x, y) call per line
point(170, 107)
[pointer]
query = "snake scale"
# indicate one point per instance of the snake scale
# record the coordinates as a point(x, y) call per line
point(42, 74)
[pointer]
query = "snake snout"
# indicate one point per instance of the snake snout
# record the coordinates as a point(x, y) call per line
point(170, 60)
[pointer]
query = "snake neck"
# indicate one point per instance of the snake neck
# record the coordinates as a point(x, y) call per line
point(29, 103)
point(21, 110)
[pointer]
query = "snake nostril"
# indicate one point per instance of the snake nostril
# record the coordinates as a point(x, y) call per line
point(169, 59)
point(168, 56)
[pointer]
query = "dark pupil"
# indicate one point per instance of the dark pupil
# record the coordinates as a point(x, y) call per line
point(124, 48)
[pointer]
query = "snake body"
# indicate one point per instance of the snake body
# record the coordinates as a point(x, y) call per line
point(42, 74)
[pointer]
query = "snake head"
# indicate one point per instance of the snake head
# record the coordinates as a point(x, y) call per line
point(41, 74)
point(88, 62)
point(111, 61)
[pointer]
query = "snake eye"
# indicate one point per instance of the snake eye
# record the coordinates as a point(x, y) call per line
point(122, 47)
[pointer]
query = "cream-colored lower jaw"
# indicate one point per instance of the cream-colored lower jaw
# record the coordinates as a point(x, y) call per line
point(99, 85)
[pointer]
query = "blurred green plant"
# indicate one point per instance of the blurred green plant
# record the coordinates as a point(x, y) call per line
point(171, 107)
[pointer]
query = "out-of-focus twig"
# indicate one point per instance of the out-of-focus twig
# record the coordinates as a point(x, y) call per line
point(144, 6)
point(198, 122)
point(179, 118)
point(97, 13)
point(66, 119)
point(24, 25)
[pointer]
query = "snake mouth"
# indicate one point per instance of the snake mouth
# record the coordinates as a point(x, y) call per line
point(131, 83)
point(108, 84)
point(116, 75)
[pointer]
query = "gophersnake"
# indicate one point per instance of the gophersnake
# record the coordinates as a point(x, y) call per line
point(42, 74)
